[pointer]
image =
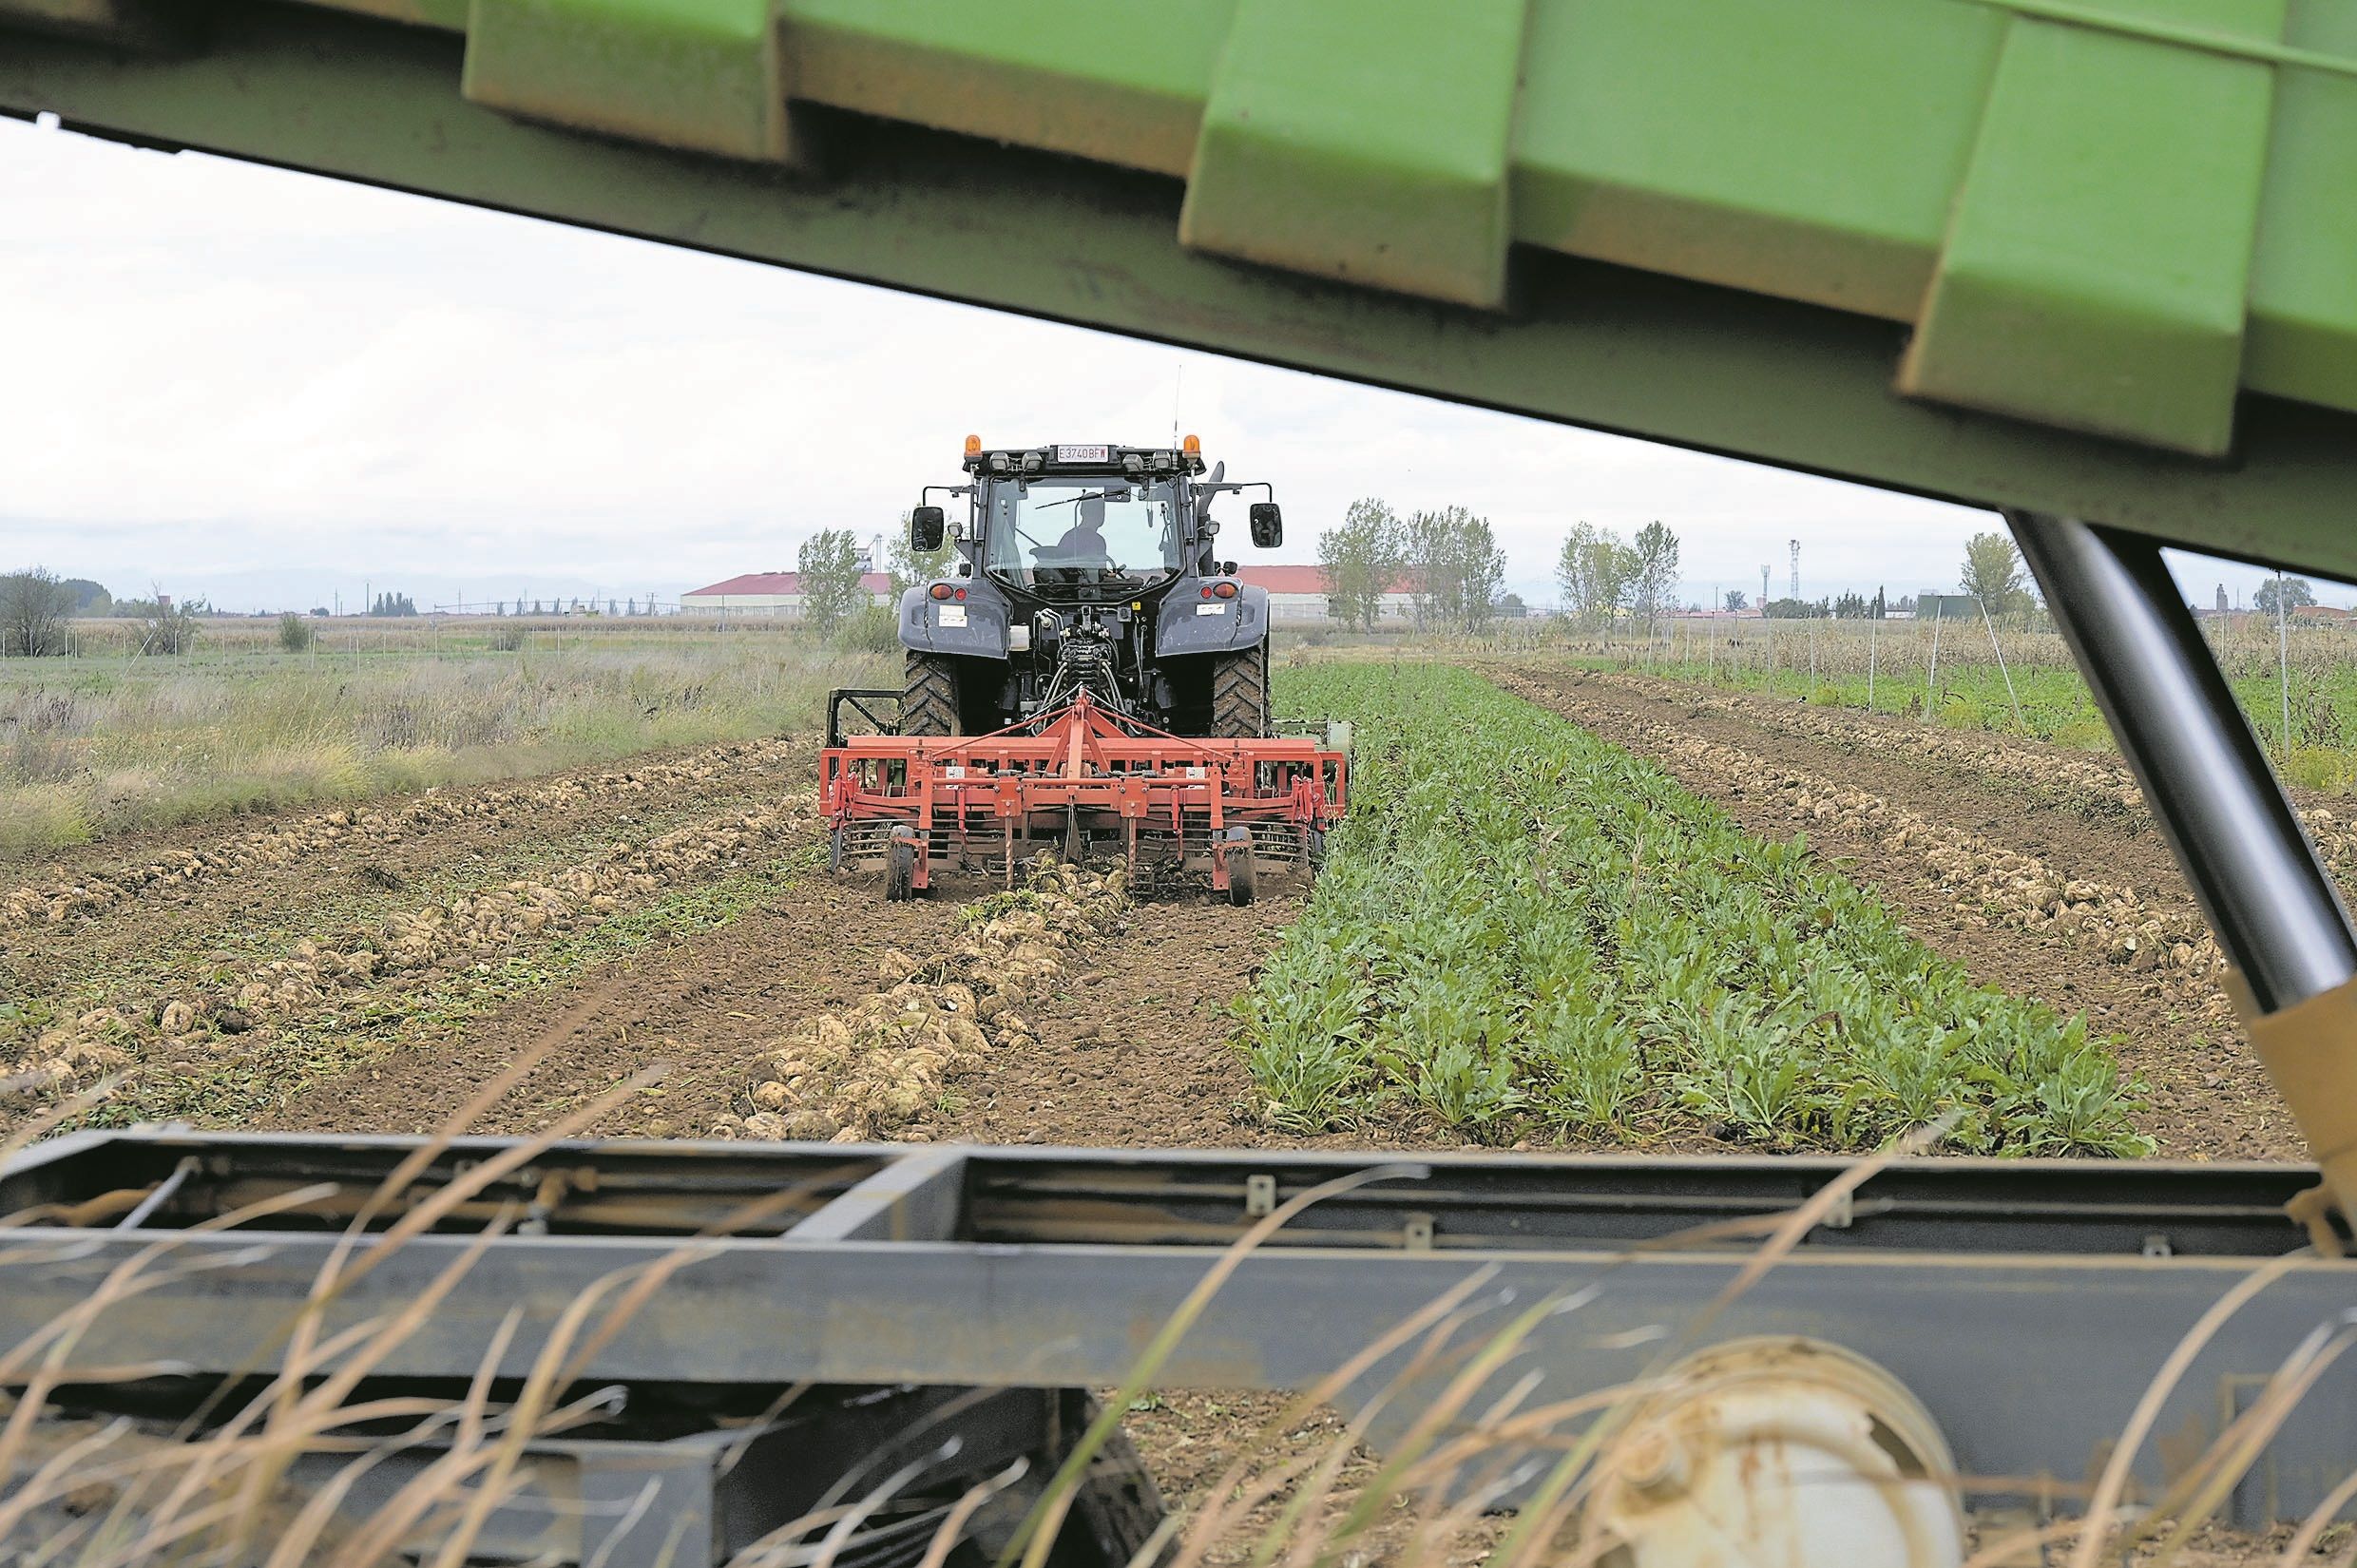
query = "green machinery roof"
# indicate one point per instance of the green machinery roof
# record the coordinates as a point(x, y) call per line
point(2096, 258)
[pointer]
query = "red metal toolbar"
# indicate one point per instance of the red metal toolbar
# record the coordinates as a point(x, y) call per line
point(1075, 775)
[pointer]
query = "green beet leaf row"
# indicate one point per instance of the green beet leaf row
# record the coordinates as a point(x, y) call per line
point(1523, 932)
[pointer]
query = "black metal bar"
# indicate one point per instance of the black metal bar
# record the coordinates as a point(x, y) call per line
point(857, 698)
point(2205, 776)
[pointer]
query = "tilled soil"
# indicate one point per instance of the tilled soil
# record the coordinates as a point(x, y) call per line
point(1133, 1051)
point(226, 978)
point(701, 1004)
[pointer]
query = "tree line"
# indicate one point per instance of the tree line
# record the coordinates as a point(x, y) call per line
point(1447, 563)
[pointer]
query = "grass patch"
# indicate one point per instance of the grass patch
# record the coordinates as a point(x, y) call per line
point(1522, 931)
point(92, 748)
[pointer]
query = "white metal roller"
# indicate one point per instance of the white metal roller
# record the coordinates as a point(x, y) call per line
point(1779, 1453)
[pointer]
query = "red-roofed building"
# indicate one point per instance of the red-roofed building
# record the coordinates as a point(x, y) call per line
point(1299, 593)
point(770, 593)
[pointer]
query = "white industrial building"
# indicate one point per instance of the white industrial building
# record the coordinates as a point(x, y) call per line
point(1297, 594)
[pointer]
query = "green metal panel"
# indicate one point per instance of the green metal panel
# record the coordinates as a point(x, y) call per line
point(2096, 266)
point(2303, 333)
point(700, 74)
point(1806, 148)
point(1366, 142)
point(2079, 217)
point(1122, 81)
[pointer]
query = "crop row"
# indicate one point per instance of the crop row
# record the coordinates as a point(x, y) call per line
point(1522, 931)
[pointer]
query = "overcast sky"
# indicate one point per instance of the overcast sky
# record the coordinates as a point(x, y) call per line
point(273, 388)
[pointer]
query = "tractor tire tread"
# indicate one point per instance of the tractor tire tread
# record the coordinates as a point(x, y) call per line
point(928, 696)
point(1239, 694)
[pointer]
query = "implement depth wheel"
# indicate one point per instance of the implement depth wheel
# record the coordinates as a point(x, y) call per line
point(1243, 877)
point(900, 870)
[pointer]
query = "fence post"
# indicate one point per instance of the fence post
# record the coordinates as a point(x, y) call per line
point(1813, 654)
point(2283, 663)
point(1931, 675)
point(1987, 620)
point(1873, 629)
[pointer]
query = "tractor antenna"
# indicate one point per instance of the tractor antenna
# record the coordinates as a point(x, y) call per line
point(1177, 388)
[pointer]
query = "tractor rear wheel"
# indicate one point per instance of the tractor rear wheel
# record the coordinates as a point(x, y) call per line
point(928, 696)
point(1239, 694)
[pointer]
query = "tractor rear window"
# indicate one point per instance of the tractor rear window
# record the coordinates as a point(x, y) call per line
point(1085, 529)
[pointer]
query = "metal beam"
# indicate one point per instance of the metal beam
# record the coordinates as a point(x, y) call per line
point(2028, 1304)
point(2205, 775)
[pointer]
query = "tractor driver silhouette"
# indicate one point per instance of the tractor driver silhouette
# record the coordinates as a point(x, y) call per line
point(1083, 543)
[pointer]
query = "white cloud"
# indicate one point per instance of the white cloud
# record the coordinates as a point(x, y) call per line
point(226, 374)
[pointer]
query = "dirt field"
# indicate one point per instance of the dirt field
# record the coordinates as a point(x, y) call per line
point(370, 969)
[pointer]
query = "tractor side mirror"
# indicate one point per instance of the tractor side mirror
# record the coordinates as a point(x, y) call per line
point(925, 529)
point(1268, 524)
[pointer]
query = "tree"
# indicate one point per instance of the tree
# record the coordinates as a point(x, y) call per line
point(1993, 572)
point(295, 633)
point(393, 605)
point(1653, 571)
point(1596, 571)
point(159, 625)
point(1362, 558)
point(1879, 610)
point(1458, 568)
point(909, 565)
point(2292, 592)
point(1512, 608)
point(831, 569)
point(1738, 598)
point(36, 612)
point(1850, 606)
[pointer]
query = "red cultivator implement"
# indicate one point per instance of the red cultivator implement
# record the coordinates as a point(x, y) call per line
point(1082, 780)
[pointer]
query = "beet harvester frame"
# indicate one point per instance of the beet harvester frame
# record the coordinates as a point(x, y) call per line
point(1079, 780)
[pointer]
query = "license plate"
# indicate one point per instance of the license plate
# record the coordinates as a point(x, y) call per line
point(1083, 454)
point(953, 615)
point(1211, 609)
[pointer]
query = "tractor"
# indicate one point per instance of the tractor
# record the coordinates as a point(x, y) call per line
point(1087, 568)
point(1089, 671)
